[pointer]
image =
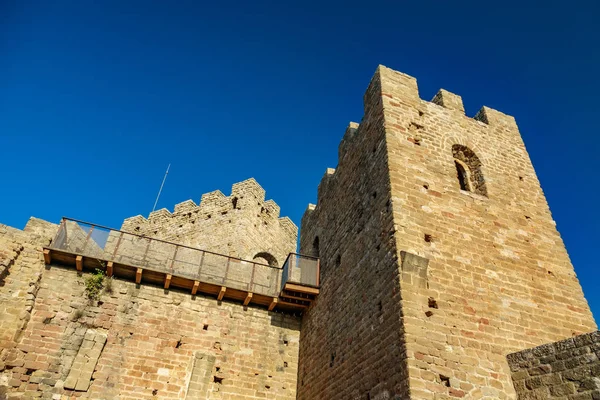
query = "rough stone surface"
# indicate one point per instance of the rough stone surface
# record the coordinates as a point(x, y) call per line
point(498, 278)
point(152, 341)
point(241, 225)
point(141, 341)
point(569, 369)
point(439, 257)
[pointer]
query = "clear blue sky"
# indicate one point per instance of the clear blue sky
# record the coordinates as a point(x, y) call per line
point(96, 98)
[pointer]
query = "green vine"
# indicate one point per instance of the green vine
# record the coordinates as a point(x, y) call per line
point(94, 284)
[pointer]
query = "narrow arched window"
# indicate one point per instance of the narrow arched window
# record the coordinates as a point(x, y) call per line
point(463, 177)
point(266, 258)
point(315, 247)
point(468, 170)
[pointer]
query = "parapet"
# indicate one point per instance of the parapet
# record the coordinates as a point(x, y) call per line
point(248, 187)
point(448, 100)
point(216, 215)
point(396, 87)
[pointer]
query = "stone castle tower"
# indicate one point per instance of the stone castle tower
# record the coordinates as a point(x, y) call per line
point(432, 266)
point(439, 255)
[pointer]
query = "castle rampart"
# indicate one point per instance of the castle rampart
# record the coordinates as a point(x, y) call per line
point(241, 225)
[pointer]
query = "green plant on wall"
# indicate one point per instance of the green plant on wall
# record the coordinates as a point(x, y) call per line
point(94, 284)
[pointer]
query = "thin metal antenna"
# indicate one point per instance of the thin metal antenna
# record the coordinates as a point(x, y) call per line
point(161, 186)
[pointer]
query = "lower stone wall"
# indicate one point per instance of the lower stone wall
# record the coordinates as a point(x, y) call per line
point(21, 266)
point(566, 370)
point(141, 342)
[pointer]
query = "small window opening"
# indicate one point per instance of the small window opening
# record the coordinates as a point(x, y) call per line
point(217, 379)
point(315, 247)
point(429, 314)
point(463, 179)
point(468, 170)
point(432, 303)
point(428, 238)
point(445, 380)
point(205, 327)
point(178, 345)
point(338, 261)
point(266, 258)
point(234, 202)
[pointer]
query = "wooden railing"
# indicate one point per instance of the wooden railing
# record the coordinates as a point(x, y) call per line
point(106, 245)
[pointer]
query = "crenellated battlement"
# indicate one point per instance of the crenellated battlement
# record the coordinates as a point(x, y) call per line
point(242, 224)
point(399, 87)
point(246, 192)
point(391, 92)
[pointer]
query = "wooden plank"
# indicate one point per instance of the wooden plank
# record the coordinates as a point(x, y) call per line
point(248, 298)
point(168, 280)
point(291, 296)
point(273, 303)
point(292, 305)
point(221, 293)
point(195, 287)
point(79, 263)
point(109, 269)
point(300, 288)
point(47, 256)
point(138, 275)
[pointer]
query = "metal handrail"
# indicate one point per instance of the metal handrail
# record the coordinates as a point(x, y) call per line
point(173, 243)
point(182, 260)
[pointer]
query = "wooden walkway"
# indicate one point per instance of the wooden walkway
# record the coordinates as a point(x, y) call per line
point(293, 297)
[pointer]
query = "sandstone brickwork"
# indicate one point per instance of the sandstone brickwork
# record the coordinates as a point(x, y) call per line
point(440, 263)
point(241, 225)
point(142, 342)
point(21, 267)
point(439, 255)
point(566, 370)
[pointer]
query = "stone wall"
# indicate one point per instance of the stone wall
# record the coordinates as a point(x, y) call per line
point(566, 370)
point(352, 339)
point(241, 225)
point(426, 287)
point(21, 267)
point(134, 341)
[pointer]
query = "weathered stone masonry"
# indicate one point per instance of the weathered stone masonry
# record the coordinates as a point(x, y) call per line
point(426, 287)
point(241, 225)
point(569, 369)
point(440, 263)
point(141, 341)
